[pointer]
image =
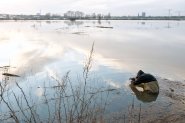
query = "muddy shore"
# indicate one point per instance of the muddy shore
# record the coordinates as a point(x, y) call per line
point(172, 109)
point(169, 106)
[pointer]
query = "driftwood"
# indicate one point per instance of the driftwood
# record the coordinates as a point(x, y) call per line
point(9, 74)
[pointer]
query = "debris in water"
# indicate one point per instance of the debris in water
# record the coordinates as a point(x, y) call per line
point(79, 33)
point(105, 27)
point(9, 74)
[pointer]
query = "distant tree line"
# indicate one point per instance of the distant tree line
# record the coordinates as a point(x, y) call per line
point(77, 15)
point(81, 15)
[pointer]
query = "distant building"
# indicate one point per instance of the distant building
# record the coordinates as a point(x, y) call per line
point(143, 14)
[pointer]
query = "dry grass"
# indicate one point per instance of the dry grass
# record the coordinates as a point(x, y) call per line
point(79, 106)
point(68, 104)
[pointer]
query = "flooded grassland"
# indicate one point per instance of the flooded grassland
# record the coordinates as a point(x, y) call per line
point(78, 71)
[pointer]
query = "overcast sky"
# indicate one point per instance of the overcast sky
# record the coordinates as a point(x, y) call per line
point(115, 7)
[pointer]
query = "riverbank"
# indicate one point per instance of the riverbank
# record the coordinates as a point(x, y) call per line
point(168, 107)
point(172, 93)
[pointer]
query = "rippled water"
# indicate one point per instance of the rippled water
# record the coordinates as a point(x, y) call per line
point(37, 50)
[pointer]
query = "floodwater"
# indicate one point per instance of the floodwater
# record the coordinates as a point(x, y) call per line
point(41, 52)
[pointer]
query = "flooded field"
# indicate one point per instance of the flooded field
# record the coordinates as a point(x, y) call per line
point(78, 71)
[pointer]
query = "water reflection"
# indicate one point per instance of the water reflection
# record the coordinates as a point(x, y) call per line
point(99, 22)
point(129, 46)
point(48, 22)
point(72, 23)
point(143, 23)
point(41, 54)
point(39, 92)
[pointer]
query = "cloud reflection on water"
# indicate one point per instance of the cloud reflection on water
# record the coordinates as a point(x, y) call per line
point(122, 48)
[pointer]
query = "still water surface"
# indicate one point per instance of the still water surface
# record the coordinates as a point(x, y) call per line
point(37, 50)
point(153, 46)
